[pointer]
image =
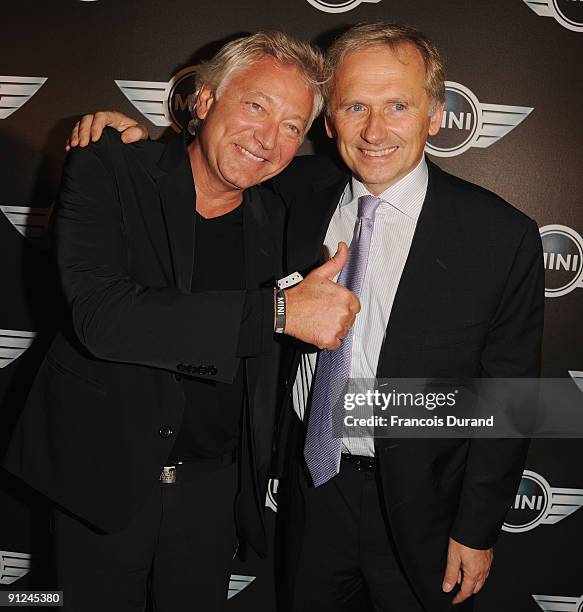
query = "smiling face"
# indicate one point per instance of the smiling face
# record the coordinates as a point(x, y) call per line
point(379, 113)
point(252, 130)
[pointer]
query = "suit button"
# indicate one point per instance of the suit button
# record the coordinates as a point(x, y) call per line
point(165, 431)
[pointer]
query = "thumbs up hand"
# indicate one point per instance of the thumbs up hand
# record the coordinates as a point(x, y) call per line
point(334, 265)
point(319, 311)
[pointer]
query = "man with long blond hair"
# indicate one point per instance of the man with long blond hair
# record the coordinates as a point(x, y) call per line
point(150, 422)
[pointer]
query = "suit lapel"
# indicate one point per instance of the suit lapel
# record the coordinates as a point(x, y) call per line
point(262, 255)
point(423, 269)
point(178, 197)
point(263, 266)
point(308, 222)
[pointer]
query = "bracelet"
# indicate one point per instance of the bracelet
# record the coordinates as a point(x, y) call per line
point(279, 311)
point(289, 281)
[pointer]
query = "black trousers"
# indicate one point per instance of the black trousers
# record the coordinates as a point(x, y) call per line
point(346, 561)
point(176, 553)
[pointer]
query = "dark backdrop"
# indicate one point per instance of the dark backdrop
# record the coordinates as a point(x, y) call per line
point(513, 125)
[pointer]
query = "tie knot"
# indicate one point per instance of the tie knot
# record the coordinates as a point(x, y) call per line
point(367, 206)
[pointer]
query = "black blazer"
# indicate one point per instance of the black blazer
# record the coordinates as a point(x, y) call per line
point(469, 304)
point(97, 424)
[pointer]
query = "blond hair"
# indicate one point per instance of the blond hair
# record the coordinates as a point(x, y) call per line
point(376, 34)
point(244, 52)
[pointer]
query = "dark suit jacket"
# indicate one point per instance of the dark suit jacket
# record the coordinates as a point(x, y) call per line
point(95, 430)
point(469, 304)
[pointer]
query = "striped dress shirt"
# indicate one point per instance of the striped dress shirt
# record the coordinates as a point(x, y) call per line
point(395, 222)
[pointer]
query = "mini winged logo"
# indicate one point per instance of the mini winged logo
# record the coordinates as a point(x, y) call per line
point(467, 122)
point(15, 91)
point(565, 12)
point(537, 503)
point(557, 603)
point(342, 6)
point(562, 258)
point(237, 583)
point(29, 222)
point(577, 377)
point(13, 566)
point(13, 343)
point(163, 103)
point(149, 97)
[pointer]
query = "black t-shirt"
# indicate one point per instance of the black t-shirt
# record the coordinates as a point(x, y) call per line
point(213, 410)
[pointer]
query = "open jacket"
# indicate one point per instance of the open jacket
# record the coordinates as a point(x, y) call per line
point(469, 304)
point(103, 413)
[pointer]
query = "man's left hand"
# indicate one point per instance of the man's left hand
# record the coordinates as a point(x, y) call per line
point(470, 566)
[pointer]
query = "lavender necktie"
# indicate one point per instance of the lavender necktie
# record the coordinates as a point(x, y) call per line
point(323, 442)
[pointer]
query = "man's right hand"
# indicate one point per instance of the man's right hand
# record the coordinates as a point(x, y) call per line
point(89, 129)
point(318, 310)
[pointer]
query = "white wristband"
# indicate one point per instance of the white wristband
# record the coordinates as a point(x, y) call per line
point(289, 281)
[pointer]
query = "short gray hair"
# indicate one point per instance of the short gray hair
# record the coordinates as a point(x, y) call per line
point(244, 52)
point(376, 34)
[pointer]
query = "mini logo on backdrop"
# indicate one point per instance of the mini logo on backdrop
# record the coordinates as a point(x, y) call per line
point(13, 343)
point(537, 503)
point(556, 603)
point(569, 13)
point(577, 378)
point(164, 104)
point(15, 91)
point(271, 497)
point(563, 259)
point(13, 566)
point(29, 222)
point(237, 583)
point(467, 122)
point(339, 6)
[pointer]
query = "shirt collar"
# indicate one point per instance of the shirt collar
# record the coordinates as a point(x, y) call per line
point(406, 195)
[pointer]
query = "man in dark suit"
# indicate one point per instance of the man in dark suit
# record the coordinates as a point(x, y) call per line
point(450, 280)
point(150, 421)
point(451, 287)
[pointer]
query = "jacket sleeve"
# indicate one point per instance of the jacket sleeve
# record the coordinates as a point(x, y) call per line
point(119, 319)
point(494, 466)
